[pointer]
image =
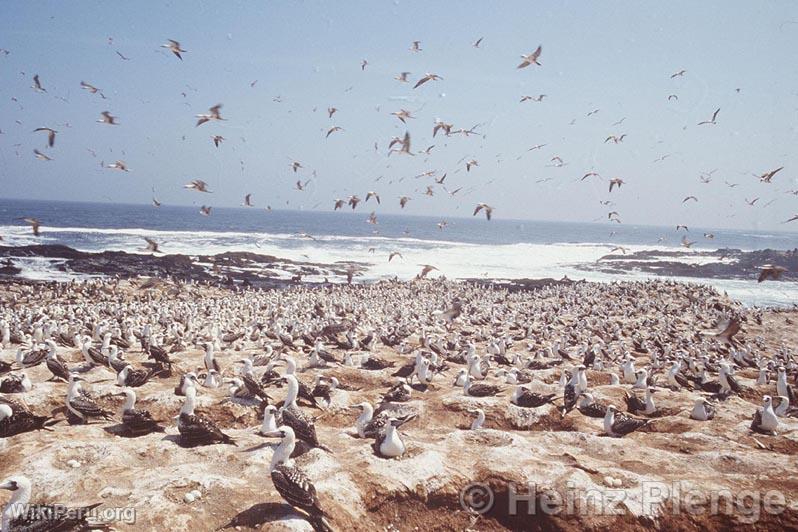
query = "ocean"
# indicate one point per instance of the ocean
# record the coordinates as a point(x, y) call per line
point(465, 248)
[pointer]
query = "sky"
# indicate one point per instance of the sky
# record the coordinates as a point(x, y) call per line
point(278, 66)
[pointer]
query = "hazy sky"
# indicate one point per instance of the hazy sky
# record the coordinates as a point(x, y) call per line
point(613, 57)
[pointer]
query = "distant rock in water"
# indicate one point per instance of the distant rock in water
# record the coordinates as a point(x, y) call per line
point(718, 264)
point(230, 268)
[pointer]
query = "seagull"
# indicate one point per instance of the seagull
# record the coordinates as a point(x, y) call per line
point(682, 227)
point(616, 181)
point(42, 157)
point(402, 114)
point(37, 85)
point(199, 185)
point(217, 139)
point(615, 139)
point(529, 59)
point(174, 47)
point(34, 223)
point(300, 185)
point(767, 176)
point(122, 56)
point(214, 115)
point(672, 97)
point(333, 130)
point(108, 118)
point(470, 163)
point(152, 245)
point(91, 88)
point(711, 121)
point(118, 165)
point(488, 210)
point(50, 134)
point(769, 271)
point(427, 77)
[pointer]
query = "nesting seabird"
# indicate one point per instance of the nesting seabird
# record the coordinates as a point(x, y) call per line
point(702, 410)
point(303, 425)
point(137, 422)
point(621, 425)
point(765, 419)
point(389, 444)
point(292, 483)
point(588, 406)
point(16, 383)
point(479, 389)
point(20, 514)
point(134, 377)
point(526, 398)
point(79, 403)
point(196, 429)
point(16, 419)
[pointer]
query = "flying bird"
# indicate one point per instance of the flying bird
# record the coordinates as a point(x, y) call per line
point(42, 157)
point(248, 200)
point(333, 130)
point(37, 85)
point(108, 118)
point(470, 163)
point(589, 174)
point(402, 76)
point(50, 134)
point(403, 201)
point(217, 139)
point(616, 181)
point(34, 223)
point(331, 111)
point(712, 120)
point(427, 77)
point(530, 59)
point(152, 245)
point(488, 210)
point(767, 176)
point(425, 269)
point(689, 198)
point(205, 210)
point(197, 184)
point(477, 42)
point(175, 48)
point(394, 254)
point(751, 202)
point(353, 201)
point(679, 73)
point(374, 195)
point(402, 114)
point(415, 46)
point(770, 271)
point(213, 115)
point(686, 243)
point(118, 165)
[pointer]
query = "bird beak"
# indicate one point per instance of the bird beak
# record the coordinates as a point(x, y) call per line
point(6, 486)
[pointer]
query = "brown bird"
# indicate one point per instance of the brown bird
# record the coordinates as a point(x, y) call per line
point(217, 139)
point(34, 223)
point(333, 130)
point(214, 115)
point(42, 157)
point(616, 181)
point(427, 77)
point(374, 195)
point(331, 111)
point(403, 201)
point(108, 118)
point(425, 269)
point(402, 114)
point(470, 163)
point(152, 245)
point(530, 59)
point(37, 85)
point(488, 210)
point(767, 176)
point(394, 254)
point(339, 203)
point(769, 271)
point(174, 47)
point(197, 184)
point(118, 165)
point(50, 134)
point(686, 243)
point(353, 201)
point(589, 174)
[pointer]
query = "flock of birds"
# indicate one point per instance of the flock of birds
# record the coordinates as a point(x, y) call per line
point(561, 349)
point(400, 145)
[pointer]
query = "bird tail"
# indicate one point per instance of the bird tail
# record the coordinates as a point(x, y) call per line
point(320, 523)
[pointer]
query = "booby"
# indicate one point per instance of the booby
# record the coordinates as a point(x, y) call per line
point(782, 388)
point(56, 366)
point(195, 429)
point(137, 422)
point(389, 444)
point(16, 383)
point(628, 368)
point(292, 416)
point(399, 393)
point(479, 389)
point(210, 361)
point(369, 426)
point(478, 422)
point(635, 406)
point(39, 516)
point(32, 358)
point(238, 390)
point(621, 425)
point(13, 422)
point(765, 420)
point(134, 377)
point(461, 378)
point(187, 380)
point(80, 404)
point(270, 421)
point(292, 483)
point(728, 383)
point(212, 379)
point(782, 407)
point(526, 398)
point(642, 380)
point(702, 410)
point(588, 406)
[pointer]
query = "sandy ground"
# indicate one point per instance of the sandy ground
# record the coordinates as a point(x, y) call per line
point(77, 464)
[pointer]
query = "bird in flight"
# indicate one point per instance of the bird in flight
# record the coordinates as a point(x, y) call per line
point(214, 115)
point(372, 194)
point(152, 245)
point(37, 85)
point(689, 198)
point(50, 134)
point(353, 201)
point(751, 202)
point(331, 111)
point(791, 219)
point(363, 64)
point(205, 210)
point(402, 76)
point(712, 120)
point(118, 165)
point(529, 59)
point(767, 176)
point(686, 243)
point(197, 184)
point(538, 98)
point(616, 181)
point(107, 118)
point(477, 42)
point(333, 130)
point(394, 254)
point(42, 157)
point(470, 163)
point(402, 114)
point(416, 46)
point(487, 208)
point(248, 200)
point(34, 223)
point(425, 269)
point(589, 174)
point(427, 77)
point(403, 201)
point(615, 139)
point(217, 139)
point(678, 74)
point(682, 227)
point(770, 271)
point(175, 48)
